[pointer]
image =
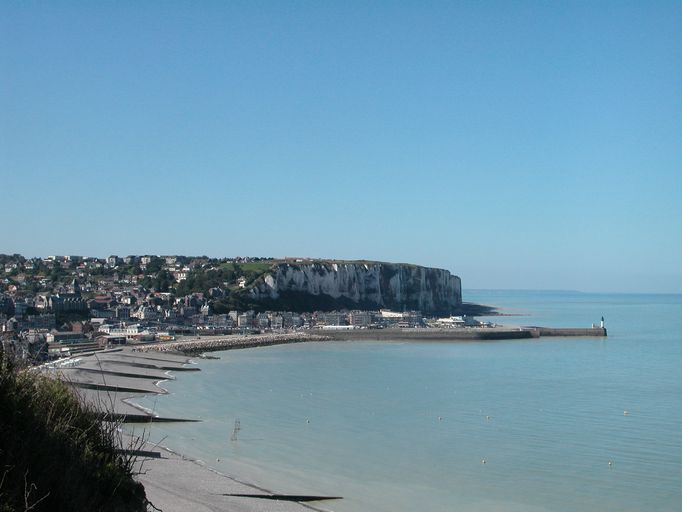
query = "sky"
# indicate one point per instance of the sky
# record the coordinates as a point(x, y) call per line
point(518, 144)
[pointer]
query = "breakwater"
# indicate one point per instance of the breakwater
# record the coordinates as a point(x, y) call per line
point(464, 334)
point(430, 334)
point(567, 331)
point(234, 341)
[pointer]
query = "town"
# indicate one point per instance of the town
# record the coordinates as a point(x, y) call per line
point(60, 306)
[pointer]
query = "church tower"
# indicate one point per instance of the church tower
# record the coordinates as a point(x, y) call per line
point(75, 287)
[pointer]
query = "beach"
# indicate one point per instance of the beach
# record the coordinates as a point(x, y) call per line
point(117, 381)
point(176, 483)
point(112, 381)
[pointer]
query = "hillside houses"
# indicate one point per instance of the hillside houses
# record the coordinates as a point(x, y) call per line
point(69, 303)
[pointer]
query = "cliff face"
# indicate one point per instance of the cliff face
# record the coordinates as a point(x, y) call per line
point(364, 285)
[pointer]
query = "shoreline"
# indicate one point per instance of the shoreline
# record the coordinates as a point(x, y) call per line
point(171, 480)
point(200, 345)
point(175, 481)
point(124, 374)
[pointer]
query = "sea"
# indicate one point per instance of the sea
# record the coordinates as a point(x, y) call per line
point(549, 424)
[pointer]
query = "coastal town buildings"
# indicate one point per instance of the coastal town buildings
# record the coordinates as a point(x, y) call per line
point(55, 306)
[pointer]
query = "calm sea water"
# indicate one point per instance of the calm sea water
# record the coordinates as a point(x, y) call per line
point(407, 425)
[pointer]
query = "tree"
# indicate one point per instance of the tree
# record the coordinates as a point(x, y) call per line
point(154, 266)
point(163, 281)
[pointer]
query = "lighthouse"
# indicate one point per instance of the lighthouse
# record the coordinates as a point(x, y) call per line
point(602, 323)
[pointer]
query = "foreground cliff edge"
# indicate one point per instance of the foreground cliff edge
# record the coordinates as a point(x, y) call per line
point(56, 453)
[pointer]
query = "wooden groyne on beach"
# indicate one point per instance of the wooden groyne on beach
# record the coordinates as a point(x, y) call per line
point(230, 342)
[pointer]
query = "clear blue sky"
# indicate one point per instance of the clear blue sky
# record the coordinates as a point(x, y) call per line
point(517, 144)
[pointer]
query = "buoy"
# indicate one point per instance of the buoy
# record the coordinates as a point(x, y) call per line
point(307, 421)
point(440, 418)
point(625, 413)
point(483, 461)
point(610, 463)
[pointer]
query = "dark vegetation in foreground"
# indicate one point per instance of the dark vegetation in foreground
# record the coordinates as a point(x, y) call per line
point(55, 455)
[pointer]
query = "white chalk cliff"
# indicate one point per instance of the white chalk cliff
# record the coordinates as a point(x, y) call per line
point(365, 284)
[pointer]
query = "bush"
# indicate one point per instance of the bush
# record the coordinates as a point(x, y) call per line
point(55, 454)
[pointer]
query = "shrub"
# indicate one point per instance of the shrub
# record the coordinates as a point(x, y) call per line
point(55, 454)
